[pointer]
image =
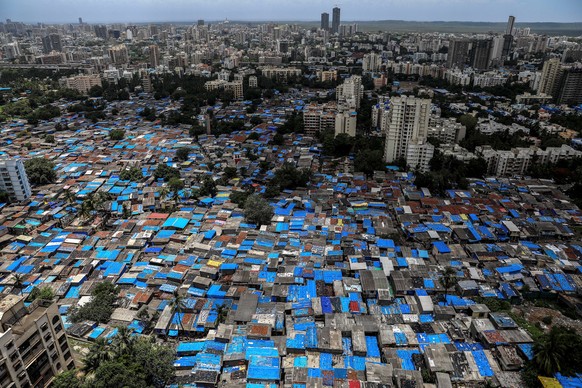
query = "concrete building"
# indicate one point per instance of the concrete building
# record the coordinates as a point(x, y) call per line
point(345, 122)
point(335, 21)
point(551, 75)
point(325, 21)
point(350, 93)
point(118, 54)
point(280, 73)
point(409, 120)
point(518, 160)
point(13, 179)
point(236, 87)
point(458, 54)
point(418, 155)
point(33, 343)
point(571, 86)
point(480, 53)
point(253, 81)
point(81, 83)
point(154, 55)
point(319, 117)
point(447, 131)
point(371, 62)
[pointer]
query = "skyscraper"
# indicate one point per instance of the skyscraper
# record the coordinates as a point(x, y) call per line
point(325, 21)
point(510, 23)
point(480, 54)
point(458, 53)
point(335, 21)
point(350, 93)
point(52, 42)
point(408, 125)
point(154, 55)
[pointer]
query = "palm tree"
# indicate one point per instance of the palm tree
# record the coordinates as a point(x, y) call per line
point(69, 196)
point(86, 210)
point(124, 341)
point(99, 352)
point(549, 351)
point(18, 282)
point(178, 305)
point(448, 280)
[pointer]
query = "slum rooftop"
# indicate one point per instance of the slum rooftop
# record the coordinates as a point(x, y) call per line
point(343, 287)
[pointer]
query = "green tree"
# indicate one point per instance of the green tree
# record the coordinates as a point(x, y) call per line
point(42, 293)
point(469, 121)
point(182, 153)
point(289, 177)
point(40, 171)
point(239, 197)
point(230, 172)
point(163, 171)
point(133, 174)
point(257, 210)
point(208, 187)
point(101, 306)
point(369, 161)
point(67, 379)
point(117, 134)
point(176, 184)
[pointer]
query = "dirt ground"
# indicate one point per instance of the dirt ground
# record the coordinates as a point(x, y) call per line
point(535, 314)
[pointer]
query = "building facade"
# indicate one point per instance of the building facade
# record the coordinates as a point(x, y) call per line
point(33, 344)
point(13, 179)
point(409, 119)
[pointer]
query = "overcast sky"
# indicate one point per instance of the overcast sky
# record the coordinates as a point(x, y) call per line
point(96, 11)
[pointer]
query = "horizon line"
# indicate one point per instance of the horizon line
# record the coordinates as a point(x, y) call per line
point(234, 21)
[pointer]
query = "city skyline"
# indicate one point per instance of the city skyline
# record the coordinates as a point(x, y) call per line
point(68, 11)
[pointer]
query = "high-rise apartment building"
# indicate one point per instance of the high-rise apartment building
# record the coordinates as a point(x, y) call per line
point(350, 93)
point(335, 21)
point(154, 55)
point(458, 54)
point(33, 343)
point(13, 179)
point(101, 31)
point(325, 21)
point(345, 123)
point(118, 54)
point(52, 42)
point(409, 118)
point(551, 75)
point(571, 86)
point(480, 53)
point(371, 62)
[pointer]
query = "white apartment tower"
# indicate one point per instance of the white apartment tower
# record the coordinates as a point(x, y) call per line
point(408, 124)
point(371, 62)
point(13, 179)
point(345, 122)
point(350, 93)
